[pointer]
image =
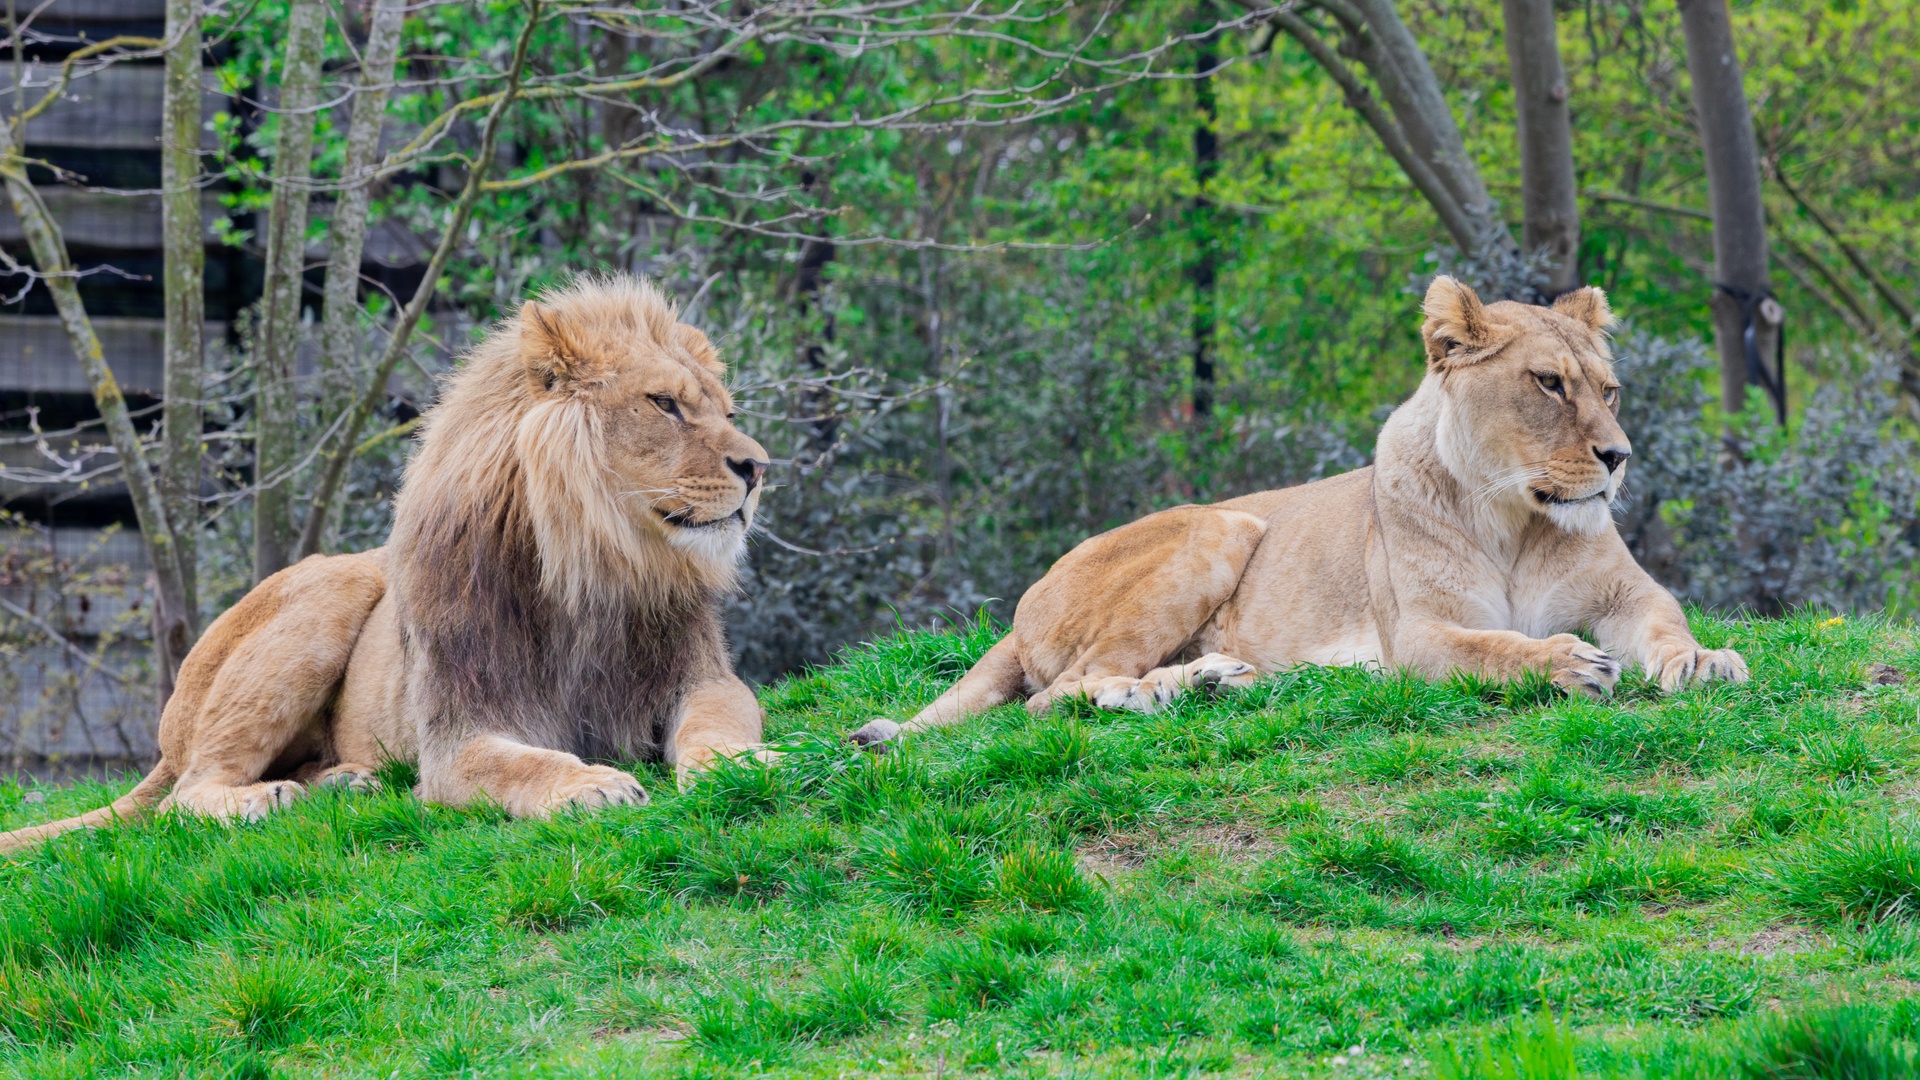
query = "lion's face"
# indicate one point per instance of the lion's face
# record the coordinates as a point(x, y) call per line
point(1529, 414)
point(630, 416)
point(670, 437)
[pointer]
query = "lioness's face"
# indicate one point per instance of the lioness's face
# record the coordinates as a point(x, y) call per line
point(1529, 420)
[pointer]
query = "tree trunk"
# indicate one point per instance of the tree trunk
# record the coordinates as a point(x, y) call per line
point(1746, 318)
point(1464, 229)
point(1205, 268)
point(935, 319)
point(183, 237)
point(1547, 183)
point(347, 239)
point(50, 259)
point(336, 458)
point(817, 401)
point(1417, 126)
point(1413, 92)
point(275, 396)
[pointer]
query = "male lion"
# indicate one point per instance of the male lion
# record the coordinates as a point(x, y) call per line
point(1481, 535)
point(578, 503)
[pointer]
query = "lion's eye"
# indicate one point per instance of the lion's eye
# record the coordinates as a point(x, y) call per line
point(667, 405)
point(1551, 384)
point(1612, 397)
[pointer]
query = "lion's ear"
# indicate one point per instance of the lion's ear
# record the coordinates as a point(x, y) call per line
point(1587, 305)
point(701, 349)
point(1456, 331)
point(552, 353)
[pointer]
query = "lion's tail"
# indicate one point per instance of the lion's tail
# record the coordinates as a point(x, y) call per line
point(132, 806)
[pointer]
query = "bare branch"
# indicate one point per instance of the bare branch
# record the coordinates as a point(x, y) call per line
point(338, 456)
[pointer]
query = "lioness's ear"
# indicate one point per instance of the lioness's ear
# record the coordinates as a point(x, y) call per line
point(702, 350)
point(552, 354)
point(1588, 305)
point(1456, 328)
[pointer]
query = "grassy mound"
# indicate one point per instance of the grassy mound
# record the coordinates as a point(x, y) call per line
point(1331, 873)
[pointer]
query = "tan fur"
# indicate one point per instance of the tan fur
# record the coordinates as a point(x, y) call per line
point(1479, 541)
point(590, 438)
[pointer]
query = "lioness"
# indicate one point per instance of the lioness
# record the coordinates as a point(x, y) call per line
point(1481, 537)
point(579, 502)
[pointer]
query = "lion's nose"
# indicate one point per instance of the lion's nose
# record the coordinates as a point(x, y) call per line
point(1612, 456)
point(748, 469)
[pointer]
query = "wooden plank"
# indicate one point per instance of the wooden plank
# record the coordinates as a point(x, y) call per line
point(99, 220)
point(114, 108)
point(102, 11)
point(35, 356)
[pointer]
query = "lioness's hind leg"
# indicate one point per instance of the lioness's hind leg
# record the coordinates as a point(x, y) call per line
point(1154, 689)
point(1216, 670)
point(997, 678)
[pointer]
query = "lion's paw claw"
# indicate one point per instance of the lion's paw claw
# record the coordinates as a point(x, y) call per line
point(595, 787)
point(1690, 666)
point(1579, 668)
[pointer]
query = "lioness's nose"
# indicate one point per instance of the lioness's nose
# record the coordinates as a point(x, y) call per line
point(1612, 456)
point(748, 469)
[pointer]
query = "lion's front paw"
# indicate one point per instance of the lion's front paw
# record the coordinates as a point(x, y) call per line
point(358, 779)
point(1690, 665)
point(1580, 668)
point(1217, 670)
point(692, 765)
point(876, 734)
point(593, 787)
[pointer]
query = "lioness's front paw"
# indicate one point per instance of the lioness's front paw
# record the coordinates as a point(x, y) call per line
point(1580, 668)
point(593, 787)
point(1691, 665)
point(876, 734)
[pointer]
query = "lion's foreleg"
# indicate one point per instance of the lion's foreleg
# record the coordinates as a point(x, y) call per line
point(720, 718)
point(525, 781)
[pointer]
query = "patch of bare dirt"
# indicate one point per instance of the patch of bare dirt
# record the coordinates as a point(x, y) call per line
point(1773, 941)
point(1231, 842)
point(1885, 675)
point(667, 1033)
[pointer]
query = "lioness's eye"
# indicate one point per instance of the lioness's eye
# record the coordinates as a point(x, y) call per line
point(667, 405)
point(1613, 396)
point(1550, 383)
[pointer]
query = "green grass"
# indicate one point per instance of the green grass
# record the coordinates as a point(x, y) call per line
point(1332, 873)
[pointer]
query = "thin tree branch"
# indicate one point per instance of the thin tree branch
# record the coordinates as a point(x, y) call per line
point(94, 663)
point(338, 457)
point(1881, 286)
point(1464, 229)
